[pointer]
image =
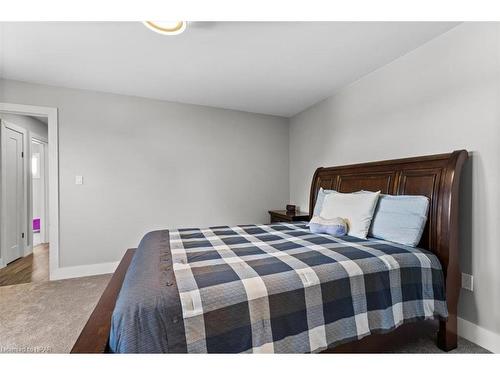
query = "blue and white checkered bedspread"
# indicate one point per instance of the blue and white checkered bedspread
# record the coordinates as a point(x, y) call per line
point(269, 288)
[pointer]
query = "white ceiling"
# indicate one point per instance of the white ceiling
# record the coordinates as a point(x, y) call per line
point(277, 68)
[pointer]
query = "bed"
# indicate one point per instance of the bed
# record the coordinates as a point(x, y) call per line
point(280, 288)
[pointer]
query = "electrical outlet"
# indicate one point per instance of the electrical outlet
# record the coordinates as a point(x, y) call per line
point(79, 180)
point(467, 281)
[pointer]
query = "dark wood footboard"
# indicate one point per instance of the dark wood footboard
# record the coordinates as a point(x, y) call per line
point(95, 335)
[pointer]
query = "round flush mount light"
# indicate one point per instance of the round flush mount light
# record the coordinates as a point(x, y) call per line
point(166, 27)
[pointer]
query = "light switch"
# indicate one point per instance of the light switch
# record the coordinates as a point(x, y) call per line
point(79, 180)
point(467, 282)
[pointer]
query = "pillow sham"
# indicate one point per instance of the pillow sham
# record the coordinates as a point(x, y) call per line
point(336, 227)
point(400, 218)
point(355, 208)
point(322, 193)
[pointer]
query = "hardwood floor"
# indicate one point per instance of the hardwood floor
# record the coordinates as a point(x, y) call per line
point(31, 268)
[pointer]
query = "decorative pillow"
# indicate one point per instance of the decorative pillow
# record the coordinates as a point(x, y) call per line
point(322, 193)
point(400, 218)
point(355, 208)
point(336, 227)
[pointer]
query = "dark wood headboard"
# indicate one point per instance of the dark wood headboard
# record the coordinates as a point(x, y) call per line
point(435, 176)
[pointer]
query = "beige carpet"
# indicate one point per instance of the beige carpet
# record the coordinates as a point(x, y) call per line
point(48, 316)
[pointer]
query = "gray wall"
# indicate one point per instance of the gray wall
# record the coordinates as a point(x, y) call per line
point(150, 164)
point(443, 96)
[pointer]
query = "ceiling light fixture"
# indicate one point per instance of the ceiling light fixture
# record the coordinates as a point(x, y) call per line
point(166, 27)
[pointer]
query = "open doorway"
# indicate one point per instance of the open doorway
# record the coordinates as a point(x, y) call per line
point(39, 191)
point(49, 115)
point(24, 199)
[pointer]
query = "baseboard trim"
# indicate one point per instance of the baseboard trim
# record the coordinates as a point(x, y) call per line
point(28, 250)
point(478, 335)
point(82, 271)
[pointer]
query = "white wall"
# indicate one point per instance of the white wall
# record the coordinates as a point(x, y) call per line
point(150, 165)
point(442, 96)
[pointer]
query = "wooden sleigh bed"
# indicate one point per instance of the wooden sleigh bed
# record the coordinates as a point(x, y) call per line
point(435, 176)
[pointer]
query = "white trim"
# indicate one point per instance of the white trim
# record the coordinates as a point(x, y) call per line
point(479, 335)
point(38, 137)
point(51, 114)
point(81, 271)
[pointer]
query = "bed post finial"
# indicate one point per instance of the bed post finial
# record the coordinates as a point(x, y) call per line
point(448, 247)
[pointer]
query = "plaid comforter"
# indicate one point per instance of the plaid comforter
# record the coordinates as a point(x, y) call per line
point(276, 288)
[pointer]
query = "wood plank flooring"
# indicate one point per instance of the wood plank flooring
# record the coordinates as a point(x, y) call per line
point(31, 268)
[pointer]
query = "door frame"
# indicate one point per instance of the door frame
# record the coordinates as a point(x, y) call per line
point(34, 137)
point(24, 245)
point(53, 181)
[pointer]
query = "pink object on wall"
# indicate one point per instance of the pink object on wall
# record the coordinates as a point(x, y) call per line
point(36, 225)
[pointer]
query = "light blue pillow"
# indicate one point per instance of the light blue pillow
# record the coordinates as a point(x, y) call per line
point(336, 227)
point(400, 218)
point(322, 193)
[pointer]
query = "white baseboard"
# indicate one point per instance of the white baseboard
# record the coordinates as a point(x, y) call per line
point(81, 271)
point(28, 250)
point(478, 335)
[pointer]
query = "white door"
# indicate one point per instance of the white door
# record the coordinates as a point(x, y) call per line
point(13, 185)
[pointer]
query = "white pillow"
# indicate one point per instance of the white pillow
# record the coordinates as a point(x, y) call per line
point(355, 208)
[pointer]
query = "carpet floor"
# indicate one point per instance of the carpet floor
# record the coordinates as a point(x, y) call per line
point(47, 317)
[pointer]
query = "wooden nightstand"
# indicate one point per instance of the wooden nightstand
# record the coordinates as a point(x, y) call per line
point(283, 215)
